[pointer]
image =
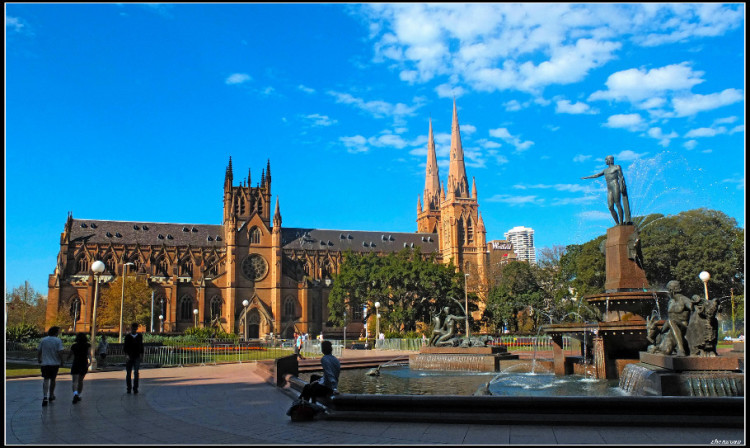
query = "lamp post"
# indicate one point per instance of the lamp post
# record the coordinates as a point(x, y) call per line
point(731, 292)
point(195, 313)
point(97, 268)
point(122, 298)
point(161, 323)
point(466, 299)
point(245, 304)
point(345, 331)
point(377, 322)
point(705, 277)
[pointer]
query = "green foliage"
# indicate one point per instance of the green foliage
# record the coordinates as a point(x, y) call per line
point(406, 285)
point(205, 333)
point(22, 332)
point(516, 289)
point(679, 247)
point(137, 303)
point(26, 306)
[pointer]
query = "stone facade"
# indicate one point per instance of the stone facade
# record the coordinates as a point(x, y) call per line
point(283, 273)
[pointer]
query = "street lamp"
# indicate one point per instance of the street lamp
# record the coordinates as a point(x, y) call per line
point(195, 313)
point(161, 323)
point(705, 277)
point(377, 322)
point(466, 298)
point(344, 331)
point(245, 304)
point(122, 298)
point(97, 268)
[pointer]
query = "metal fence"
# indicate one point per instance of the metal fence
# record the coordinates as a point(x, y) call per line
point(192, 353)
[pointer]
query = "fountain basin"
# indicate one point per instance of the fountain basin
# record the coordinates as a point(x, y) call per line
point(624, 306)
point(471, 359)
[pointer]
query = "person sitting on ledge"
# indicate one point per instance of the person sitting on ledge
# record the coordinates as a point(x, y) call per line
point(328, 384)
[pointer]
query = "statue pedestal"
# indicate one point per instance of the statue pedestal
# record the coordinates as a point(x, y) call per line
point(623, 273)
point(467, 359)
point(693, 376)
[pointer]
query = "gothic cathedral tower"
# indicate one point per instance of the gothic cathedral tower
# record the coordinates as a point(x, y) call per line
point(453, 212)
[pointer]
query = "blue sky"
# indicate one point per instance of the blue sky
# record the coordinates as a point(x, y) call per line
point(130, 112)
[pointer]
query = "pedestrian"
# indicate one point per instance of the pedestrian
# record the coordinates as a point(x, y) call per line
point(133, 348)
point(80, 351)
point(298, 344)
point(101, 350)
point(328, 384)
point(49, 354)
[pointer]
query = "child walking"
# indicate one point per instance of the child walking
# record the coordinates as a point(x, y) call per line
point(81, 354)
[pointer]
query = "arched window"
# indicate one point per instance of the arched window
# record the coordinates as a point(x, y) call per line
point(215, 307)
point(110, 264)
point(186, 268)
point(186, 308)
point(239, 204)
point(162, 267)
point(461, 232)
point(290, 308)
point(255, 235)
point(469, 231)
point(82, 264)
point(75, 308)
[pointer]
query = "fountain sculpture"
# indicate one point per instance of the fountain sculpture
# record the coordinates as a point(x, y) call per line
point(447, 351)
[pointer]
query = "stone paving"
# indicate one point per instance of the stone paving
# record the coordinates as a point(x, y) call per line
point(230, 404)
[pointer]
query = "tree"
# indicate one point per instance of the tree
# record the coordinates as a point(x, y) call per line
point(137, 305)
point(25, 306)
point(679, 247)
point(406, 285)
point(515, 292)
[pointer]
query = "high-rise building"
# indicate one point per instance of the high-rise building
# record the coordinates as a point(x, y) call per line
point(522, 239)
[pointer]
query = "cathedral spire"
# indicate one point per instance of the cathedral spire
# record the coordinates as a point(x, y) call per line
point(457, 183)
point(268, 171)
point(228, 175)
point(473, 187)
point(277, 215)
point(419, 205)
point(432, 177)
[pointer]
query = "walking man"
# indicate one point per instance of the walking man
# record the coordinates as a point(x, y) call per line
point(133, 348)
point(49, 354)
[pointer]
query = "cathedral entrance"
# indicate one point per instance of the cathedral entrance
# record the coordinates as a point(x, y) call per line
point(253, 324)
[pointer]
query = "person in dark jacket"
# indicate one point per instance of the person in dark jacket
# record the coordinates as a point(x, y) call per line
point(81, 355)
point(133, 348)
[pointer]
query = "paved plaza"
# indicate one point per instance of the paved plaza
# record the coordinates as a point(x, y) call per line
point(230, 404)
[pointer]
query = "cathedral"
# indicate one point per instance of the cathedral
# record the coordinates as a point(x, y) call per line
point(250, 274)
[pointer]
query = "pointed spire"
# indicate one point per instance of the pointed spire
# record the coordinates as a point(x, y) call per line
point(268, 171)
point(419, 205)
point(277, 215)
point(457, 183)
point(228, 177)
point(263, 178)
point(248, 177)
point(473, 187)
point(442, 191)
point(432, 177)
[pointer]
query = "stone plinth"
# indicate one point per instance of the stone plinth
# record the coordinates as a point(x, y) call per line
point(623, 273)
point(692, 376)
point(468, 359)
point(683, 363)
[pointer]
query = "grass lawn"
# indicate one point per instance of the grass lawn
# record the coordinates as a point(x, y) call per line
point(14, 369)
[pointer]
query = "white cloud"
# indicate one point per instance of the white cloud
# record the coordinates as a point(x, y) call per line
point(690, 145)
point(638, 85)
point(632, 122)
point(468, 129)
point(581, 158)
point(505, 135)
point(378, 108)
point(738, 128)
point(595, 216)
point(13, 24)
point(513, 106)
point(525, 46)
point(306, 89)
point(566, 107)
point(449, 91)
point(664, 139)
point(628, 155)
point(692, 104)
point(238, 78)
point(516, 200)
point(355, 143)
point(320, 120)
point(705, 132)
point(739, 182)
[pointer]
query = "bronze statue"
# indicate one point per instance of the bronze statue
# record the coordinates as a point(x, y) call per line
point(617, 193)
point(443, 333)
point(672, 334)
point(703, 328)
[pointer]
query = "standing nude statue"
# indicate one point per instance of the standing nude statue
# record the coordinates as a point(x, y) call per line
point(617, 193)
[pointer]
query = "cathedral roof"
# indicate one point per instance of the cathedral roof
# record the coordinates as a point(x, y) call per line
point(146, 233)
point(356, 240)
